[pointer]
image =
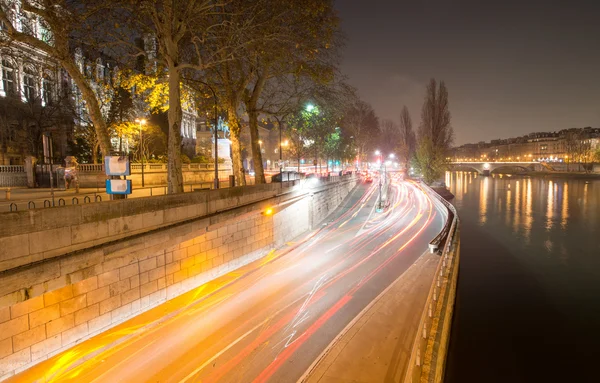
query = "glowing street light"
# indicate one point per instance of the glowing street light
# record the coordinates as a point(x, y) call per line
point(310, 107)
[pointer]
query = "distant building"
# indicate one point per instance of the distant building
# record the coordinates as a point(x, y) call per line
point(539, 146)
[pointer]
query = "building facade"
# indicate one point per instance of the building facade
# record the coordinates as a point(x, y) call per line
point(37, 97)
point(563, 146)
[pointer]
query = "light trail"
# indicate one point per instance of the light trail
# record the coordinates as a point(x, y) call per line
point(248, 324)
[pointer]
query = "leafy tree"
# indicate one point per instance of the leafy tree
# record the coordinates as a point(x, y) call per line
point(435, 132)
point(176, 33)
point(297, 39)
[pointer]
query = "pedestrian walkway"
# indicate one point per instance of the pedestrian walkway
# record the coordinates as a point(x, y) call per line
point(377, 345)
point(25, 198)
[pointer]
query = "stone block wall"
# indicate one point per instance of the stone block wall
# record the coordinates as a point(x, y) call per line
point(41, 234)
point(154, 178)
point(47, 307)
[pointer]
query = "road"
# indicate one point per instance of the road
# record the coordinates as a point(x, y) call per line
point(272, 319)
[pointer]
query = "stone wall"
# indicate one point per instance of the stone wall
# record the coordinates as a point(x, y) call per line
point(153, 178)
point(49, 306)
point(40, 234)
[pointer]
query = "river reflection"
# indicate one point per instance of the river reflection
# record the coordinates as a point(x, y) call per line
point(555, 216)
point(528, 301)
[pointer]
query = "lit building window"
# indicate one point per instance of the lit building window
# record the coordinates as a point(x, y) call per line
point(28, 85)
point(47, 90)
point(8, 78)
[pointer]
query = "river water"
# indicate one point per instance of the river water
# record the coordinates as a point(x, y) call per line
point(528, 298)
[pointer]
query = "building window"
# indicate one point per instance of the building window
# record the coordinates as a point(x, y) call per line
point(47, 90)
point(28, 84)
point(8, 77)
point(44, 32)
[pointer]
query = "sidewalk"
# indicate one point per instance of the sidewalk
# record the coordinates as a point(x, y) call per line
point(377, 345)
point(22, 196)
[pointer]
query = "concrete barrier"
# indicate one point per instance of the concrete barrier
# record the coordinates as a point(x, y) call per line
point(154, 249)
point(428, 355)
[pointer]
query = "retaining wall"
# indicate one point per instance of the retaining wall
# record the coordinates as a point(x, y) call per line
point(151, 250)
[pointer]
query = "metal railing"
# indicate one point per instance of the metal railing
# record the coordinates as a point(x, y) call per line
point(428, 356)
point(12, 176)
point(12, 169)
point(152, 167)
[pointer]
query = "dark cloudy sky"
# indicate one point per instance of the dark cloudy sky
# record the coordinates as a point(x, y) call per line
point(512, 67)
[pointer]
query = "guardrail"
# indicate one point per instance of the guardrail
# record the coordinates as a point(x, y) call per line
point(428, 356)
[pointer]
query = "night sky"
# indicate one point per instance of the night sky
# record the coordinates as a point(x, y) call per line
point(512, 67)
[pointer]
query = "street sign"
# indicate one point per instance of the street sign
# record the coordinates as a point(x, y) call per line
point(118, 186)
point(117, 166)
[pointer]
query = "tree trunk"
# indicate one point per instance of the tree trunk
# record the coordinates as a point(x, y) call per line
point(92, 105)
point(95, 153)
point(259, 172)
point(174, 176)
point(236, 145)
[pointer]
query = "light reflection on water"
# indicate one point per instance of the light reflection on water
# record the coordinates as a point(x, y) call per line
point(553, 216)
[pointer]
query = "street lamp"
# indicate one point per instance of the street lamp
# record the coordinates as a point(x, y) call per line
point(141, 121)
point(281, 146)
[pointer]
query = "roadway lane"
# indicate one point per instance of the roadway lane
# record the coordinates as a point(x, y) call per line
point(269, 324)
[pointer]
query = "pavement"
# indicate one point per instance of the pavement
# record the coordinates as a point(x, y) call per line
point(270, 320)
point(22, 197)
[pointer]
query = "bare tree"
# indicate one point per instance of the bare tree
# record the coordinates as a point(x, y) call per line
point(435, 132)
point(60, 20)
point(296, 39)
point(362, 123)
point(180, 29)
point(407, 140)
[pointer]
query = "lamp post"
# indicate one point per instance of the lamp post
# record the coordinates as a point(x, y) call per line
point(141, 121)
point(282, 145)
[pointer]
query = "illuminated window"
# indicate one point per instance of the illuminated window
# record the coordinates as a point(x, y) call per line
point(47, 89)
point(8, 78)
point(28, 84)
